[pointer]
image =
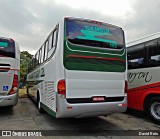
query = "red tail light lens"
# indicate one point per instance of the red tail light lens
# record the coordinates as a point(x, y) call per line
point(97, 22)
point(62, 88)
point(126, 86)
point(11, 40)
point(15, 80)
point(14, 88)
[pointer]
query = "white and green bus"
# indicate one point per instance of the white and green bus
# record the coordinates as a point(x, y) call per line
point(80, 70)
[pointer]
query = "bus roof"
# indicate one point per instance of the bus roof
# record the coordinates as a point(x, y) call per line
point(144, 39)
point(10, 39)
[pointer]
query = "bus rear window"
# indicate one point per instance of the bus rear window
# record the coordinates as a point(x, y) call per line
point(95, 35)
point(7, 48)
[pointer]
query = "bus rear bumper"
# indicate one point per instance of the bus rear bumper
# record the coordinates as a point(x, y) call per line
point(64, 109)
point(9, 100)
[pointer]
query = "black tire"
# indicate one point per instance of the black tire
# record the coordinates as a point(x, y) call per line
point(152, 108)
point(39, 105)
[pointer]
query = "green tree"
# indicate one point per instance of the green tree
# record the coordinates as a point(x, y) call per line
point(25, 58)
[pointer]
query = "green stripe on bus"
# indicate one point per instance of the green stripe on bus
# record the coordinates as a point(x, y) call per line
point(93, 64)
point(48, 110)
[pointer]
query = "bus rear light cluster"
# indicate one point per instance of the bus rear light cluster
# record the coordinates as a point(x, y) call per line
point(122, 105)
point(69, 107)
point(97, 22)
point(62, 88)
point(11, 40)
point(14, 88)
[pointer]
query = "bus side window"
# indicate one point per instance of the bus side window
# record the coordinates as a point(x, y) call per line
point(140, 61)
point(136, 63)
point(154, 60)
point(136, 57)
point(153, 54)
point(52, 43)
point(39, 58)
point(55, 38)
point(50, 40)
point(42, 54)
point(46, 51)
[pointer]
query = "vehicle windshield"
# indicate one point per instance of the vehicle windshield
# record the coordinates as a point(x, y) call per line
point(7, 48)
point(95, 35)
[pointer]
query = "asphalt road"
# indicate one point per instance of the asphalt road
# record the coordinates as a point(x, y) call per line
point(25, 116)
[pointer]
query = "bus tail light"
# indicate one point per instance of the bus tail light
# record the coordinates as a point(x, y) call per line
point(97, 22)
point(14, 88)
point(126, 86)
point(122, 105)
point(11, 40)
point(62, 88)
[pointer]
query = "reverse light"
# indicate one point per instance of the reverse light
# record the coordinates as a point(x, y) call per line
point(62, 88)
point(14, 88)
point(122, 105)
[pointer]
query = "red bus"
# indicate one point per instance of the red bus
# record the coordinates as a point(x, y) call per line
point(144, 75)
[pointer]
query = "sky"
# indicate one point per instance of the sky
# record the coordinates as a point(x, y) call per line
point(30, 21)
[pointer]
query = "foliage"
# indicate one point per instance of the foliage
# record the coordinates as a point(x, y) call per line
point(25, 58)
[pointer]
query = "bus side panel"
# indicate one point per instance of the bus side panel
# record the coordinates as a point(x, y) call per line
point(42, 81)
point(49, 94)
point(142, 82)
point(137, 97)
point(47, 76)
point(59, 60)
point(54, 71)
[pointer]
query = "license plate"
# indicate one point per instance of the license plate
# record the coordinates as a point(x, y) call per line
point(98, 99)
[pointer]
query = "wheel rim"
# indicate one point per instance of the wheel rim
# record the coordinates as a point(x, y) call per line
point(155, 110)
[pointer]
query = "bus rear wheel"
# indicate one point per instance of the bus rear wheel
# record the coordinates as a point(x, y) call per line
point(39, 104)
point(153, 109)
